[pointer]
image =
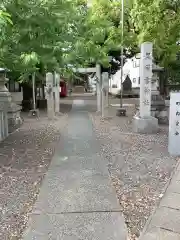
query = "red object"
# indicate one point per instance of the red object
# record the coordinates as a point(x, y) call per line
point(63, 89)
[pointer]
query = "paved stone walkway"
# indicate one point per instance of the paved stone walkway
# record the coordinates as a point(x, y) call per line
point(76, 200)
point(165, 222)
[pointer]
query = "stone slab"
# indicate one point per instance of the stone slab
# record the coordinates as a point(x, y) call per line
point(78, 178)
point(81, 163)
point(145, 125)
point(160, 234)
point(171, 200)
point(166, 218)
point(76, 147)
point(68, 190)
point(84, 226)
point(174, 187)
point(80, 120)
point(177, 176)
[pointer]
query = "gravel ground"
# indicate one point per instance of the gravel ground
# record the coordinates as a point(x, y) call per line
point(24, 159)
point(139, 166)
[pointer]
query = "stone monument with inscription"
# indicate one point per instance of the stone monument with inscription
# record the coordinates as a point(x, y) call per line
point(49, 95)
point(145, 123)
point(174, 124)
point(13, 110)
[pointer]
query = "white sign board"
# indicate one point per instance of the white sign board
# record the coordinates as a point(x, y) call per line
point(174, 124)
point(145, 79)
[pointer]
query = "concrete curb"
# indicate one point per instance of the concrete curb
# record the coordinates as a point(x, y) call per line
point(158, 204)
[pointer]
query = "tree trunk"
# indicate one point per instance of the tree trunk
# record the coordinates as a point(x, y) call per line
point(27, 97)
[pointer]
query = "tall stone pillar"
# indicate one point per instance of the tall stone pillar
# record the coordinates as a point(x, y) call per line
point(13, 110)
point(49, 95)
point(145, 123)
point(56, 91)
point(105, 83)
point(98, 87)
point(57, 95)
point(145, 80)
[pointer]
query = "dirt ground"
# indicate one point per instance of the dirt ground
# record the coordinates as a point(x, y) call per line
point(139, 165)
point(24, 159)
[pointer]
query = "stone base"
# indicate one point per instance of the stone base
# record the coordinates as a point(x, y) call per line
point(121, 112)
point(34, 113)
point(59, 114)
point(14, 123)
point(145, 125)
point(14, 117)
point(162, 115)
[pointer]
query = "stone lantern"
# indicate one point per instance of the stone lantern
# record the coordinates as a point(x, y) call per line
point(13, 110)
point(158, 108)
point(3, 109)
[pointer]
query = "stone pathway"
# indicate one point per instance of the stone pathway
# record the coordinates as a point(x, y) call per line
point(76, 200)
point(164, 224)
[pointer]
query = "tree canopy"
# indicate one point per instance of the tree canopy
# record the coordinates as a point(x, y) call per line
point(158, 21)
point(42, 31)
point(57, 34)
point(155, 20)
